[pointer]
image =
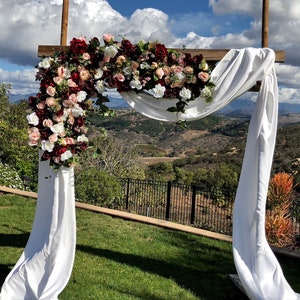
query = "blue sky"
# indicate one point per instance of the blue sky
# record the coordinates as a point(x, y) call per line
point(194, 24)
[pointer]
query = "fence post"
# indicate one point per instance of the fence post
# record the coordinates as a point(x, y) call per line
point(168, 205)
point(127, 193)
point(193, 208)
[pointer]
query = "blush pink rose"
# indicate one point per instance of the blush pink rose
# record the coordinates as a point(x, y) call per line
point(34, 136)
point(86, 56)
point(71, 83)
point(84, 75)
point(61, 72)
point(51, 91)
point(203, 76)
point(53, 138)
point(159, 73)
point(41, 105)
point(107, 37)
point(50, 101)
point(58, 80)
point(120, 77)
point(47, 123)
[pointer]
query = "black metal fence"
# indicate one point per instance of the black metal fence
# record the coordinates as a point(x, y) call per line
point(184, 204)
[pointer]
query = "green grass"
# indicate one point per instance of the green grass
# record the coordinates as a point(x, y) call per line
point(119, 259)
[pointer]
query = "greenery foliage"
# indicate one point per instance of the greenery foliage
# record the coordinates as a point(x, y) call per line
point(96, 187)
point(14, 149)
point(10, 178)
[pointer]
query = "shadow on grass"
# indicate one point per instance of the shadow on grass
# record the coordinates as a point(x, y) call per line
point(206, 284)
point(13, 240)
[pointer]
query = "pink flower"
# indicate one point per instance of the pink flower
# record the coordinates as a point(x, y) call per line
point(58, 80)
point(167, 70)
point(53, 138)
point(71, 83)
point(50, 101)
point(188, 70)
point(47, 123)
point(203, 76)
point(176, 69)
point(41, 105)
point(84, 75)
point(159, 73)
point(120, 59)
point(107, 37)
point(86, 56)
point(120, 77)
point(61, 72)
point(51, 90)
point(34, 136)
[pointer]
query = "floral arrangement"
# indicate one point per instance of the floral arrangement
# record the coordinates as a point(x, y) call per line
point(71, 81)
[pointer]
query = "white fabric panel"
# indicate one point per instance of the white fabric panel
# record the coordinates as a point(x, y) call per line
point(257, 266)
point(45, 266)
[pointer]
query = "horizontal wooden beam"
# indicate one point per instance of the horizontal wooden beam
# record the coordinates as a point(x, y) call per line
point(213, 55)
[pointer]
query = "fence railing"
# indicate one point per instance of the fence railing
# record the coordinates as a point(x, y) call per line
point(179, 203)
point(185, 204)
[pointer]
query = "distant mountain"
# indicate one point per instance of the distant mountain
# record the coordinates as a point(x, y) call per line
point(237, 108)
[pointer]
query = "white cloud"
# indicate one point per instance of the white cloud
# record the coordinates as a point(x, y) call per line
point(29, 23)
point(22, 81)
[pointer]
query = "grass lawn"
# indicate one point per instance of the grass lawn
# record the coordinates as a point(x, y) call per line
point(119, 259)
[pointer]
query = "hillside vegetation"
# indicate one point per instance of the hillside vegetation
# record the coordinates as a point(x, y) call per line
point(200, 148)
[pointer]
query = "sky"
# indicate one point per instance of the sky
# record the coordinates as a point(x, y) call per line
point(200, 24)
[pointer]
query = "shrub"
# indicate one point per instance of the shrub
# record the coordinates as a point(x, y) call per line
point(10, 178)
point(279, 223)
point(96, 187)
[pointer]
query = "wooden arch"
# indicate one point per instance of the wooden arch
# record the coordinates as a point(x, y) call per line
point(211, 55)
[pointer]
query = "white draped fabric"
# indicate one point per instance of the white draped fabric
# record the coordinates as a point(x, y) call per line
point(46, 263)
point(257, 266)
point(45, 266)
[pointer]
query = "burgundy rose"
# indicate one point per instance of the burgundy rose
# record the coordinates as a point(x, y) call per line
point(83, 146)
point(161, 52)
point(128, 48)
point(32, 101)
point(46, 155)
point(79, 122)
point(197, 59)
point(78, 46)
point(75, 76)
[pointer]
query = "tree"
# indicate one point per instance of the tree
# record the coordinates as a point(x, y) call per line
point(112, 156)
point(14, 148)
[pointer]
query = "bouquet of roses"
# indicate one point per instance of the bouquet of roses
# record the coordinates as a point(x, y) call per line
point(74, 81)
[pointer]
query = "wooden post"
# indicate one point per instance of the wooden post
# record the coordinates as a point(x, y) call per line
point(64, 23)
point(265, 24)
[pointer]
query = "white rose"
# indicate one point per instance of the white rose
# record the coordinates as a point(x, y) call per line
point(82, 138)
point(33, 119)
point(81, 96)
point(47, 145)
point(58, 128)
point(185, 93)
point(99, 86)
point(159, 91)
point(206, 93)
point(77, 111)
point(98, 73)
point(66, 155)
point(45, 63)
point(110, 51)
point(135, 84)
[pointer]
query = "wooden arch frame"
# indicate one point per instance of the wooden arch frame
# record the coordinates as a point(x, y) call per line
point(211, 55)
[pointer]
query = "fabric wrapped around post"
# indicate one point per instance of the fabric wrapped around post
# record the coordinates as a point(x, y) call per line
point(45, 266)
point(257, 266)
